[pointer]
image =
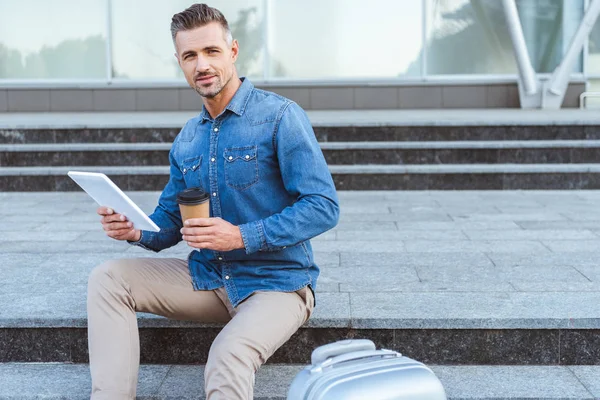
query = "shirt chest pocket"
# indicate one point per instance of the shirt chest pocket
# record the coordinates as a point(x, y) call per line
point(241, 167)
point(190, 169)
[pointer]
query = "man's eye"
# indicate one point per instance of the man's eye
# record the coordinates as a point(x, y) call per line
point(212, 51)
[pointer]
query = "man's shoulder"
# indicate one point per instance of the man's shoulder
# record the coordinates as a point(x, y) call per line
point(264, 105)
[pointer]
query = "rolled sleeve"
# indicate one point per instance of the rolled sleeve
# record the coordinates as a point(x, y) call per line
point(253, 236)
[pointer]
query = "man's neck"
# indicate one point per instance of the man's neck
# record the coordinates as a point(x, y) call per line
point(217, 104)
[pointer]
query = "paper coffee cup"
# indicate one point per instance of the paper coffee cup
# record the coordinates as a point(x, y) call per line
point(193, 203)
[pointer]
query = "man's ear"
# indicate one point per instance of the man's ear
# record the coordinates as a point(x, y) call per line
point(235, 50)
point(177, 57)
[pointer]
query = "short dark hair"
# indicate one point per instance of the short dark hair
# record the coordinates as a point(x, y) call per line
point(198, 15)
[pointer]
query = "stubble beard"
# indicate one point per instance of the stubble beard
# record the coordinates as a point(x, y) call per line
point(213, 90)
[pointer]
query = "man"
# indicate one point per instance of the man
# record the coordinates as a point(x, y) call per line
point(252, 265)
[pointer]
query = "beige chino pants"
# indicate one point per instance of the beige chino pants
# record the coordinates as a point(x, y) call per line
point(254, 329)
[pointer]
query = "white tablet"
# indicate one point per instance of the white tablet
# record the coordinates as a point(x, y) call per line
point(106, 193)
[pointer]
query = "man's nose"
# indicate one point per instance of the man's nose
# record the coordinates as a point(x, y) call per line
point(202, 64)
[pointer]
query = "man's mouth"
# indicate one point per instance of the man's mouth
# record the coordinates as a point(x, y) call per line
point(204, 79)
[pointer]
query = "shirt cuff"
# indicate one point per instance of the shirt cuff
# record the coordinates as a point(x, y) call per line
point(141, 242)
point(253, 236)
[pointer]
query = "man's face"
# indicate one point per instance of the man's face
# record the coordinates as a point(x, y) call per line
point(206, 59)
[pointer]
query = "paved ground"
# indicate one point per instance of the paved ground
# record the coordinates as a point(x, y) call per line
point(182, 382)
point(397, 259)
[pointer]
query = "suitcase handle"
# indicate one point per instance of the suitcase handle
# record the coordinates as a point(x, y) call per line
point(358, 355)
point(324, 352)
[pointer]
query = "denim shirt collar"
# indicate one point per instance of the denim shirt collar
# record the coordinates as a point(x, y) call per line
point(237, 104)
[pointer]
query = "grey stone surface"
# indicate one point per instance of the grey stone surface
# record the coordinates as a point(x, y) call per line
point(426, 286)
point(3, 100)
point(485, 246)
point(114, 100)
point(189, 100)
point(44, 279)
point(333, 310)
point(71, 100)
point(497, 96)
point(510, 382)
point(157, 99)
point(514, 274)
point(356, 259)
point(28, 100)
point(379, 98)
point(299, 95)
point(546, 234)
point(363, 246)
point(187, 382)
point(400, 235)
point(332, 98)
point(530, 216)
point(64, 381)
point(452, 225)
point(464, 96)
point(344, 225)
point(574, 259)
point(429, 97)
point(382, 276)
point(475, 310)
point(423, 97)
point(168, 382)
point(575, 246)
point(589, 376)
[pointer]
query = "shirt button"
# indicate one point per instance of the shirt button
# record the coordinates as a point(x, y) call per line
point(220, 258)
point(212, 159)
point(227, 277)
point(214, 195)
point(247, 157)
point(230, 157)
point(216, 129)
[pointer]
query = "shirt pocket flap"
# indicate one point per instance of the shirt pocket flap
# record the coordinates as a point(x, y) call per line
point(190, 164)
point(245, 153)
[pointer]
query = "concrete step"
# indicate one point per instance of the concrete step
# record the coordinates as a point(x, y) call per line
point(72, 382)
point(449, 278)
point(346, 177)
point(340, 132)
point(336, 153)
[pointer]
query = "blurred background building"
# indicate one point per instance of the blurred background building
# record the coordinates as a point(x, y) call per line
point(117, 55)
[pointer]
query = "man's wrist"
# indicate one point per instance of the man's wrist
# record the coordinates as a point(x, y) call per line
point(240, 243)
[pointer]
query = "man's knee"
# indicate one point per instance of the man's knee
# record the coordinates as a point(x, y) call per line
point(107, 276)
point(236, 353)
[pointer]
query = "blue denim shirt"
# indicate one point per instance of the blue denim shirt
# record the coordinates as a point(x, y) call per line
point(265, 172)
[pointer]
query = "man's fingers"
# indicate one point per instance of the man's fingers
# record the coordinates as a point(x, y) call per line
point(200, 222)
point(197, 239)
point(120, 234)
point(105, 210)
point(115, 226)
point(201, 245)
point(113, 218)
point(198, 231)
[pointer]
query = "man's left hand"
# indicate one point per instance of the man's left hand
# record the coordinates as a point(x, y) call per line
point(212, 233)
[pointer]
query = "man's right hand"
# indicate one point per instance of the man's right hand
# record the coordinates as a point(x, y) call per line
point(117, 226)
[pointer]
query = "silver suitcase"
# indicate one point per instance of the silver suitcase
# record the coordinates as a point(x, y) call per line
point(355, 370)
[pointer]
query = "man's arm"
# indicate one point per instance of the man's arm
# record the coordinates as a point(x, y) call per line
point(306, 177)
point(166, 215)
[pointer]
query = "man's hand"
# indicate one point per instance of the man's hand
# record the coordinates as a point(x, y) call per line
point(117, 226)
point(213, 234)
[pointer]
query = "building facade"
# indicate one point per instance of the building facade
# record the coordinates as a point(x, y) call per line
point(117, 55)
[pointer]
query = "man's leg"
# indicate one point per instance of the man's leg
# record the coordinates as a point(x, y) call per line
point(119, 288)
point(260, 325)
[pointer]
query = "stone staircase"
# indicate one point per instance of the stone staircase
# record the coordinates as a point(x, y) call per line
point(419, 155)
point(497, 291)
